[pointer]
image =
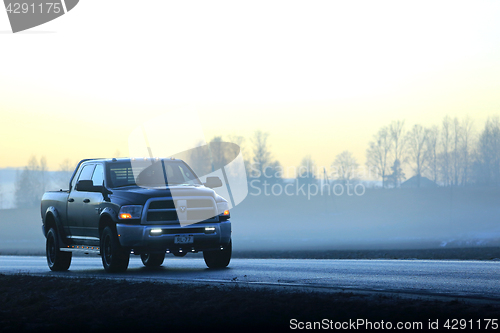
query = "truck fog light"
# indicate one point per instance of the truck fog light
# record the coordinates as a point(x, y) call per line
point(155, 231)
point(209, 230)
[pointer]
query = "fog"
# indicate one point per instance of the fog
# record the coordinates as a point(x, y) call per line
point(435, 187)
point(379, 219)
point(402, 218)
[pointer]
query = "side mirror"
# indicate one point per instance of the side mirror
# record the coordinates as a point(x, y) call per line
point(87, 186)
point(213, 182)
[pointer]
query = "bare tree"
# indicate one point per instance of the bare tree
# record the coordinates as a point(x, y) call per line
point(417, 140)
point(199, 159)
point(397, 132)
point(455, 157)
point(241, 142)
point(274, 172)
point(64, 174)
point(345, 166)
point(457, 134)
point(432, 146)
point(377, 154)
point(305, 172)
point(446, 144)
point(467, 138)
point(261, 153)
point(44, 176)
point(207, 158)
point(397, 175)
point(29, 188)
point(487, 164)
point(218, 158)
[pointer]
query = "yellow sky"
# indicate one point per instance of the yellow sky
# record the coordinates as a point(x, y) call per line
point(321, 77)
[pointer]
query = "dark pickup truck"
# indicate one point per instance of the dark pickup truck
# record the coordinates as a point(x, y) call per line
point(147, 207)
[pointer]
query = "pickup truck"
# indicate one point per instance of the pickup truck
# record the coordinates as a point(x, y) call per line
point(147, 207)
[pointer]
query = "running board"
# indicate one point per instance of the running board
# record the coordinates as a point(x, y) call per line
point(81, 249)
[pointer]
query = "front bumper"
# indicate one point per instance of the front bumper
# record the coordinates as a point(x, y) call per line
point(140, 239)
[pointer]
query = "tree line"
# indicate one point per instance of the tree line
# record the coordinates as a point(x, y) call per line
point(451, 154)
point(34, 179)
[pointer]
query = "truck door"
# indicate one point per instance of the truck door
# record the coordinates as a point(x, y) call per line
point(76, 204)
point(91, 208)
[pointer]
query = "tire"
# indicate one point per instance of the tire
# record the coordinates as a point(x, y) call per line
point(57, 260)
point(114, 257)
point(218, 258)
point(152, 259)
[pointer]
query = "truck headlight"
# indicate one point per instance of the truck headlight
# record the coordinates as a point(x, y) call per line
point(130, 212)
point(223, 209)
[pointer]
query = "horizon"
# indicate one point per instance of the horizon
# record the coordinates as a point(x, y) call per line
point(287, 174)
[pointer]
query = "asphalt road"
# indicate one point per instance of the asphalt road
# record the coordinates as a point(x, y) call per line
point(469, 279)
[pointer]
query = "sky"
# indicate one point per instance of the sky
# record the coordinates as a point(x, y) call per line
point(320, 76)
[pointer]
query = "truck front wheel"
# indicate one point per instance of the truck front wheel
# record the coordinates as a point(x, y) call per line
point(56, 259)
point(152, 259)
point(114, 257)
point(218, 258)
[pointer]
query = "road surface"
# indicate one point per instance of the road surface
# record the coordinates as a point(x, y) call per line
point(469, 279)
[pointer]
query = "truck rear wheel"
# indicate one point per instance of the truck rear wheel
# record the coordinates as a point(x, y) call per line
point(114, 257)
point(218, 258)
point(56, 259)
point(152, 259)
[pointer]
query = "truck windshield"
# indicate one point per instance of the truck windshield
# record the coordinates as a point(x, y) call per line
point(150, 174)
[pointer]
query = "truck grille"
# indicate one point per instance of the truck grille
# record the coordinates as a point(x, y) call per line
point(189, 210)
point(154, 216)
point(163, 204)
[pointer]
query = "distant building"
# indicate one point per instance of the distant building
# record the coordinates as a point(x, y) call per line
point(413, 182)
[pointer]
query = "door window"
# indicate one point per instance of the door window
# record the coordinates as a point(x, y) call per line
point(98, 176)
point(86, 172)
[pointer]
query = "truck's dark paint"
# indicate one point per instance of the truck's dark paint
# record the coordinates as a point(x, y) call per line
point(85, 217)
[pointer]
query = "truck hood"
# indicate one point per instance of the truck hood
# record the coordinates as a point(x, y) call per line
point(139, 195)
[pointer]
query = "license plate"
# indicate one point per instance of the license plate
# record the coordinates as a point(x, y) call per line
point(183, 239)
